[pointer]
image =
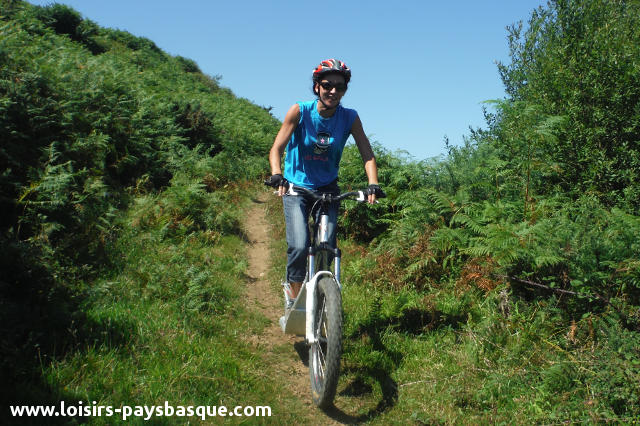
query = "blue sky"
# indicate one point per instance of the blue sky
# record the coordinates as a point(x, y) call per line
point(421, 69)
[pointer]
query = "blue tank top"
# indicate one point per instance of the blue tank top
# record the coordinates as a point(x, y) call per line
point(315, 148)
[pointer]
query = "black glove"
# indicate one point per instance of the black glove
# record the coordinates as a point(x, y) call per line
point(276, 181)
point(374, 189)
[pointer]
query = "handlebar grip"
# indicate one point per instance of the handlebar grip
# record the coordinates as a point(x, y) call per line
point(376, 190)
point(280, 182)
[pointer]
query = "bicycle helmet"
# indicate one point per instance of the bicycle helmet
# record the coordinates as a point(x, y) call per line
point(332, 66)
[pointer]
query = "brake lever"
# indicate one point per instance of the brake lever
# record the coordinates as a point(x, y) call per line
point(362, 197)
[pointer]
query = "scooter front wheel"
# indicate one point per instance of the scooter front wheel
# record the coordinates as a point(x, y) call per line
point(325, 353)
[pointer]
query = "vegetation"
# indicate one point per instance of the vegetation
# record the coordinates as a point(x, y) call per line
point(119, 241)
point(506, 284)
point(498, 284)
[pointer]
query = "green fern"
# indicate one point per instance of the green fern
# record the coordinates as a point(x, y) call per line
point(468, 222)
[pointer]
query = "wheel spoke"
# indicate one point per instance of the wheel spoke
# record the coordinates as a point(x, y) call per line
point(321, 357)
point(322, 329)
point(321, 339)
point(321, 363)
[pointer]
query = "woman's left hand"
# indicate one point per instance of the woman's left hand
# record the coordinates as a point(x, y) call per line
point(374, 191)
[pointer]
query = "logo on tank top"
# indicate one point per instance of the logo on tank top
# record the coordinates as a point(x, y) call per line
point(323, 142)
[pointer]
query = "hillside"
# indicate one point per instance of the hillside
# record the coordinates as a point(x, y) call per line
point(500, 284)
point(108, 144)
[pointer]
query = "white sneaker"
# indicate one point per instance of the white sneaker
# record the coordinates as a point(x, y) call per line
point(288, 295)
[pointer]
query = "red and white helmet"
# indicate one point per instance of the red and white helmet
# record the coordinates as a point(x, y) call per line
point(333, 66)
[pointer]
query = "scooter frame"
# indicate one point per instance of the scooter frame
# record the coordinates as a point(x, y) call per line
point(300, 318)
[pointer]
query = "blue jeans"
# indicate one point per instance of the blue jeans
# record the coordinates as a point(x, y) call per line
point(297, 209)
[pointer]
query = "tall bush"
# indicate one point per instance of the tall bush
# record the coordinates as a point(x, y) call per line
point(578, 59)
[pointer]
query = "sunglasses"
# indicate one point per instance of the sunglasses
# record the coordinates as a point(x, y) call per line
point(340, 87)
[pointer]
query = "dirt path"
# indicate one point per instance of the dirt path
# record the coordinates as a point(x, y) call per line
point(285, 353)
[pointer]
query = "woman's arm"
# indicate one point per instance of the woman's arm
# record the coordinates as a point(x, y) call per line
point(370, 165)
point(289, 125)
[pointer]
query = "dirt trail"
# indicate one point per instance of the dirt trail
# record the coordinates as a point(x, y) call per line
point(286, 356)
point(278, 348)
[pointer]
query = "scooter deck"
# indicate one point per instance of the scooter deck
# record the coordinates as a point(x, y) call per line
point(294, 319)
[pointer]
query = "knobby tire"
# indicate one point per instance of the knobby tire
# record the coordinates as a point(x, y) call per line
point(324, 355)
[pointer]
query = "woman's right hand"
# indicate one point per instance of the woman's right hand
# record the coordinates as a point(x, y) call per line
point(279, 182)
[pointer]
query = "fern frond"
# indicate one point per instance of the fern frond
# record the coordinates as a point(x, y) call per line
point(547, 260)
point(469, 222)
point(445, 239)
point(442, 202)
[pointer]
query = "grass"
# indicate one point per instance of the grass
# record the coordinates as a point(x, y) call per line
point(169, 324)
point(451, 353)
point(457, 354)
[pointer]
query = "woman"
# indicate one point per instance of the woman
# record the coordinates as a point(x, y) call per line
point(314, 134)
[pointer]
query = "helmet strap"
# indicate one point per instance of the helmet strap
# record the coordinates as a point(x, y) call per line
point(325, 105)
point(321, 101)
